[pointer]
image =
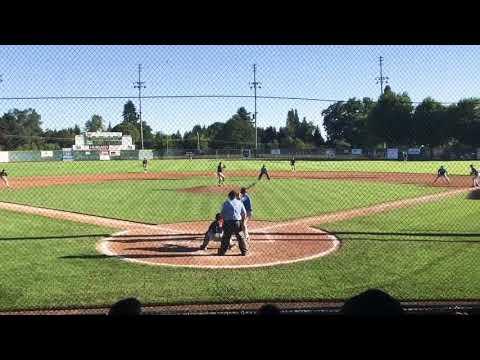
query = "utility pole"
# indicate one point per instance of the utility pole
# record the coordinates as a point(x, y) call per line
point(380, 79)
point(254, 85)
point(140, 85)
point(198, 142)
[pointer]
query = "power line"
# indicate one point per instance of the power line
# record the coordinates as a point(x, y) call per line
point(192, 97)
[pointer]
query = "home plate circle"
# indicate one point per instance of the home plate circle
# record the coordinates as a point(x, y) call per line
point(179, 245)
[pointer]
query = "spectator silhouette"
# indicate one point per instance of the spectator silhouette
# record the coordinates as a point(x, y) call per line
point(372, 303)
point(269, 310)
point(126, 307)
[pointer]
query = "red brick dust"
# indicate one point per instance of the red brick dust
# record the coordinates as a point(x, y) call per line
point(407, 178)
point(178, 245)
point(270, 243)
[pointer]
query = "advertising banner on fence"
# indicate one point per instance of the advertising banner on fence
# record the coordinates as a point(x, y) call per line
point(356, 151)
point(275, 151)
point(67, 154)
point(413, 151)
point(46, 154)
point(145, 154)
point(330, 153)
point(104, 156)
point(3, 156)
point(392, 154)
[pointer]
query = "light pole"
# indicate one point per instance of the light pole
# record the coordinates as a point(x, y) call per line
point(254, 85)
point(198, 142)
point(140, 85)
point(381, 78)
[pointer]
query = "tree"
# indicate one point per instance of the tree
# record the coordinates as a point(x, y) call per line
point(127, 128)
point(21, 129)
point(292, 123)
point(466, 121)
point(95, 124)
point(346, 122)
point(130, 114)
point(268, 135)
point(317, 137)
point(390, 119)
point(430, 123)
point(238, 131)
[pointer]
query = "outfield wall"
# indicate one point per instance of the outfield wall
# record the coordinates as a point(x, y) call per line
point(237, 154)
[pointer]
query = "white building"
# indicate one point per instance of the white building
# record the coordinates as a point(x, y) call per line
point(111, 142)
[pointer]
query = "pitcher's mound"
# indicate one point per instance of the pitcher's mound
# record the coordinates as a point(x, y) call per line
point(225, 189)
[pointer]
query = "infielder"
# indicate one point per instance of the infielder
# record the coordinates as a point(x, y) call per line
point(263, 171)
point(220, 176)
point(233, 213)
point(475, 176)
point(215, 231)
point(3, 176)
point(145, 164)
point(442, 173)
point(292, 163)
point(247, 202)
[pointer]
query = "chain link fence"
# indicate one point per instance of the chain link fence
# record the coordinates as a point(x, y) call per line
point(193, 202)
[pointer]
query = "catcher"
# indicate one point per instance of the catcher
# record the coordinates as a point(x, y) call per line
point(220, 176)
point(3, 176)
point(215, 231)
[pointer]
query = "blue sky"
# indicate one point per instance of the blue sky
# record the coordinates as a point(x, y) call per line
point(447, 73)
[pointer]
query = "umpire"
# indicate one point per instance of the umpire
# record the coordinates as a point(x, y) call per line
point(233, 212)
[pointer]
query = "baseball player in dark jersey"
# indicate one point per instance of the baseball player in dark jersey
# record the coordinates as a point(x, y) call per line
point(3, 176)
point(292, 163)
point(247, 202)
point(474, 175)
point(215, 231)
point(220, 176)
point(145, 164)
point(442, 173)
point(263, 171)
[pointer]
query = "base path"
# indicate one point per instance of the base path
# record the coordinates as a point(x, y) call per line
point(406, 178)
point(271, 243)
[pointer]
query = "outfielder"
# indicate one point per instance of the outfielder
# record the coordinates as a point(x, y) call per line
point(263, 171)
point(145, 164)
point(292, 163)
point(442, 173)
point(215, 231)
point(220, 176)
point(247, 202)
point(475, 176)
point(3, 176)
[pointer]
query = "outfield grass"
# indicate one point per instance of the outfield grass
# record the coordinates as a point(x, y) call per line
point(158, 201)
point(48, 272)
point(127, 166)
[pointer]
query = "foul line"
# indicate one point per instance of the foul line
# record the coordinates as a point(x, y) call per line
point(103, 244)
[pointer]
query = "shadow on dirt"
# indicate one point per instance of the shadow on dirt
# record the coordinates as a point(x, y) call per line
point(474, 195)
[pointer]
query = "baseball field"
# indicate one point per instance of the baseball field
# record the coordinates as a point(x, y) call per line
point(85, 234)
